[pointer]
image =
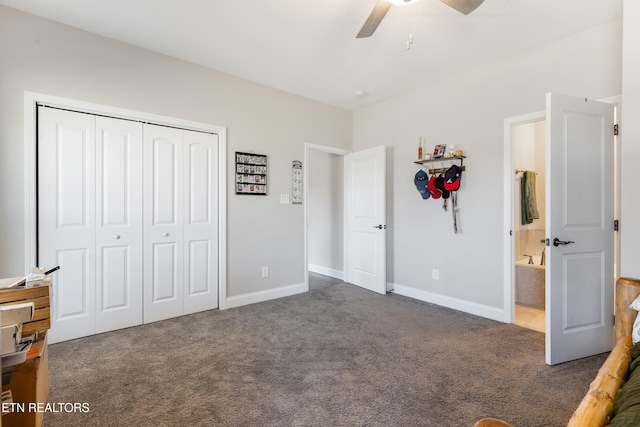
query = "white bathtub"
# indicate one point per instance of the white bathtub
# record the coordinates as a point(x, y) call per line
point(530, 282)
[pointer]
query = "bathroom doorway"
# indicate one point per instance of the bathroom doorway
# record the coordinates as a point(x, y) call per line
point(529, 198)
point(325, 213)
point(323, 203)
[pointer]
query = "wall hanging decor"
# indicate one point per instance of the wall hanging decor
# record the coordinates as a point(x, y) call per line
point(251, 174)
point(444, 182)
point(297, 182)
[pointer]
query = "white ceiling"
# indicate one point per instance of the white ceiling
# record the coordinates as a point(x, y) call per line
point(309, 47)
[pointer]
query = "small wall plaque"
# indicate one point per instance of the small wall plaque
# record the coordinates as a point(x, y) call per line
point(297, 182)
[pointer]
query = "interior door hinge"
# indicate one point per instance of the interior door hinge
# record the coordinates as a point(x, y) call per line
point(615, 129)
point(616, 225)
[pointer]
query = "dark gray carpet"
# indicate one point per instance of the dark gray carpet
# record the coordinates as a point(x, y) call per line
point(335, 356)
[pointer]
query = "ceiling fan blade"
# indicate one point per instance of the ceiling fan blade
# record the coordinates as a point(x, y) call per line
point(463, 6)
point(374, 19)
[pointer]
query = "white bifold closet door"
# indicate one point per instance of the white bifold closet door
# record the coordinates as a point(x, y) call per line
point(89, 221)
point(129, 212)
point(180, 222)
point(118, 224)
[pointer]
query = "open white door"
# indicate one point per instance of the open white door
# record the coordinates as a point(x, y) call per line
point(365, 219)
point(580, 235)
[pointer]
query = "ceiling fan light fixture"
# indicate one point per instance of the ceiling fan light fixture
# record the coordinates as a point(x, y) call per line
point(382, 7)
point(402, 2)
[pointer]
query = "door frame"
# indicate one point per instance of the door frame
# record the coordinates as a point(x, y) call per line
point(509, 165)
point(508, 246)
point(32, 99)
point(308, 149)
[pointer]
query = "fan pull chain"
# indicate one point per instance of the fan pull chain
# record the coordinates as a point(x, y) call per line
point(410, 30)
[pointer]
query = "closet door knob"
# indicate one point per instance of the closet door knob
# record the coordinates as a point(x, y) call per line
point(165, 234)
point(116, 236)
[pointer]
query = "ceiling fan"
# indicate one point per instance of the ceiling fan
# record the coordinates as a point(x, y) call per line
point(382, 7)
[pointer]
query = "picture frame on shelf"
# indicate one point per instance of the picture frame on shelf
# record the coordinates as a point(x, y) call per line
point(439, 150)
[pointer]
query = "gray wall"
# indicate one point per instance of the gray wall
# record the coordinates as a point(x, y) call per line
point(46, 57)
point(469, 111)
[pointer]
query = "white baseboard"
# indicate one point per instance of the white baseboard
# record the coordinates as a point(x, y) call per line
point(326, 271)
point(269, 294)
point(476, 309)
point(481, 310)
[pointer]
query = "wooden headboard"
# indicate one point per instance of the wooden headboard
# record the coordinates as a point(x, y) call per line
point(627, 290)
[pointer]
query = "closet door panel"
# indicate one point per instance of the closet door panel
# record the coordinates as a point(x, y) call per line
point(166, 154)
point(163, 217)
point(199, 271)
point(199, 185)
point(116, 282)
point(201, 225)
point(72, 302)
point(165, 269)
point(118, 223)
point(73, 201)
point(66, 218)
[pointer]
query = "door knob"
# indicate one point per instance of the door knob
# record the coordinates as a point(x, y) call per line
point(116, 236)
point(558, 242)
point(165, 234)
point(379, 226)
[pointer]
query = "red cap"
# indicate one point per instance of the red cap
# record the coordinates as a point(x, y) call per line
point(435, 193)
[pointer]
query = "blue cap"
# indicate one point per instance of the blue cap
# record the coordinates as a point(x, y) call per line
point(421, 180)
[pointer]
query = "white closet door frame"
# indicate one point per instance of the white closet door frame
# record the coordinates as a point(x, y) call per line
point(32, 99)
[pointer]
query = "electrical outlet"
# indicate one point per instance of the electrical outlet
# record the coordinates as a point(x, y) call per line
point(284, 199)
point(435, 274)
point(265, 272)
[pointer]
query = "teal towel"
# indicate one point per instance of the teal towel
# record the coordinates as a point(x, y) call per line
point(528, 202)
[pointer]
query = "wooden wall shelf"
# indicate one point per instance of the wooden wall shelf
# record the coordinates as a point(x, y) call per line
point(440, 160)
